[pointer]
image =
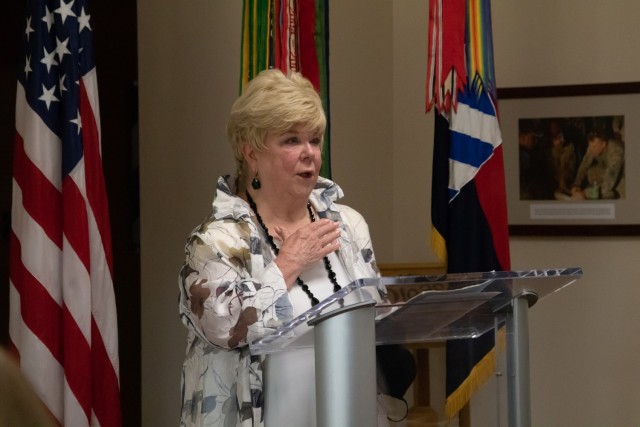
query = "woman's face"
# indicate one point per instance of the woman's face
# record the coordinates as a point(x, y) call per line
point(291, 163)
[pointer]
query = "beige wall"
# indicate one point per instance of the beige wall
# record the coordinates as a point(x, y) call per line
point(584, 343)
point(361, 111)
point(188, 67)
point(584, 339)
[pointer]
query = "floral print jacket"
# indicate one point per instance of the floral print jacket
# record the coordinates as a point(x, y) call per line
point(232, 292)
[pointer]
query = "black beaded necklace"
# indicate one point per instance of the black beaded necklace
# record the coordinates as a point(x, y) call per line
point(327, 263)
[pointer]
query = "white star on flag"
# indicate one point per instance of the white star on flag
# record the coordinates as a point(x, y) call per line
point(28, 30)
point(48, 18)
point(77, 121)
point(83, 20)
point(61, 48)
point(65, 10)
point(63, 88)
point(48, 59)
point(47, 95)
point(27, 67)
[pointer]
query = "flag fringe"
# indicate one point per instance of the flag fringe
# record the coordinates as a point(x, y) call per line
point(438, 245)
point(479, 374)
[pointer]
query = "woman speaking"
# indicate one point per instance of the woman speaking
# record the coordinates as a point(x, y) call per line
point(275, 243)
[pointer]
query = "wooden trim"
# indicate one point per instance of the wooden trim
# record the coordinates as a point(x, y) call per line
point(574, 230)
point(569, 90)
point(411, 269)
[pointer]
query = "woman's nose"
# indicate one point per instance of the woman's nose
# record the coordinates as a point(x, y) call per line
point(307, 149)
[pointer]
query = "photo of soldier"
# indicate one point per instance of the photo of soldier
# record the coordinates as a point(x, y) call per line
point(571, 158)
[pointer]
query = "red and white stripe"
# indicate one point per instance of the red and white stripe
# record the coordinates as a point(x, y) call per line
point(63, 324)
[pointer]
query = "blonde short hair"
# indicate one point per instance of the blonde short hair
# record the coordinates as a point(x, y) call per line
point(273, 103)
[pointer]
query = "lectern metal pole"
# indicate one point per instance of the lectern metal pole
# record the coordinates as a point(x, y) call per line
point(518, 360)
point(346, 367)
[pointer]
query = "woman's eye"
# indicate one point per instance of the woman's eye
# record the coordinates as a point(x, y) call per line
point(315, 141)
point(292, 140)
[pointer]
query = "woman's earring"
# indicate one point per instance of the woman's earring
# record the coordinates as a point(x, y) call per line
point(255, 182)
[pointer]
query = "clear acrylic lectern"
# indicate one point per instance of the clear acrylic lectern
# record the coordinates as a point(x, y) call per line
point(345, 328)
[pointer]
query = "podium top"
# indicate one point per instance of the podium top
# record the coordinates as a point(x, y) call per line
point(426, 308)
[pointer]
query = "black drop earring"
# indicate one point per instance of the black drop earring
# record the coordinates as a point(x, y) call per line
point(255, 182)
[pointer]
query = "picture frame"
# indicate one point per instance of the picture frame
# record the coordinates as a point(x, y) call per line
point(550, 213)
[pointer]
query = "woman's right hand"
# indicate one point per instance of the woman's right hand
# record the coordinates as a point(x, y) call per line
point(305, 246)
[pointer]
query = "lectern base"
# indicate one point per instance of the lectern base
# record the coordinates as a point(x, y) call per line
point(346, 367)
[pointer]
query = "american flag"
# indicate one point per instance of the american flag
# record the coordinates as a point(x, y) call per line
point(63, 324)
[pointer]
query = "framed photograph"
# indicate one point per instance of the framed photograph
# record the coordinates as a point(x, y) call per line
point(572, 159)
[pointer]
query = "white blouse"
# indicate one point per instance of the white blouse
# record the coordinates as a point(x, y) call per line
point(290, 383)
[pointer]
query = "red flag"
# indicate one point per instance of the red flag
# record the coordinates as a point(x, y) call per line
point(298, 40)
point(307, 28)
point(446, 71)
point(468, 205)
point(63, 324)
